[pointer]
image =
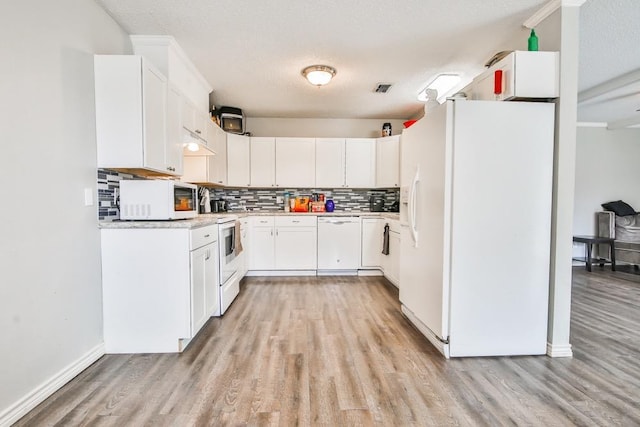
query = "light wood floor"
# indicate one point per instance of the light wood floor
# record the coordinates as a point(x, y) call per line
point(337, 351)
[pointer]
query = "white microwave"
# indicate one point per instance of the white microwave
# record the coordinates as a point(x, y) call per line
point(158, 199)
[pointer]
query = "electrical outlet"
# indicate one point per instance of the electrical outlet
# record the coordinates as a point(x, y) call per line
point(88, 196)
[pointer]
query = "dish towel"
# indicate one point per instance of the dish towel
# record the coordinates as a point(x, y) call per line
point(385, 242)
point(238, 242)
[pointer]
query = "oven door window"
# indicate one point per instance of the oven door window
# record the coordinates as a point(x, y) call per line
point(229, 243)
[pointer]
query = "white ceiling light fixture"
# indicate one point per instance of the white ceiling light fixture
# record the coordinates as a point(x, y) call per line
point(319, 75)
point(442, 84)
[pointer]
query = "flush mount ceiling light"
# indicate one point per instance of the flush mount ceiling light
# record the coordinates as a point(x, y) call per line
point(442, 85)
point(319, 75)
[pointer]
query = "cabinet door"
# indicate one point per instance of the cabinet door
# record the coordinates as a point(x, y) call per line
point(329, 162)
point(372, 240)
point(262, 245)
point(212, 287)
point(388, 162)
point(173, 147)
point(218, 163)
point(199, 258)
point(154, 91)
point(238, 160)
point(296, 248)
point(295, 162)
point(263, 162)
point(360, 162)
point(393, 268)
point(188, 115)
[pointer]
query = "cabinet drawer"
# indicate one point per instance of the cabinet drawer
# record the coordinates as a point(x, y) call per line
point(296, 221)
point(203, 236)
point(262, 221)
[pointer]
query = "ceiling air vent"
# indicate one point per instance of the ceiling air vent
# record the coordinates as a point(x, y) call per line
point(382, 88)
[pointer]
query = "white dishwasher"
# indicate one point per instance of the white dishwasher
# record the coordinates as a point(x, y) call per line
point(338, 243)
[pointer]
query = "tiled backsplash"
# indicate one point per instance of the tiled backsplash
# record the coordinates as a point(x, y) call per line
point(345, 199)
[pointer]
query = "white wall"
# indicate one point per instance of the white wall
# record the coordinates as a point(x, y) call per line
point(50, 292)
point(321, 128)
point(606, 169)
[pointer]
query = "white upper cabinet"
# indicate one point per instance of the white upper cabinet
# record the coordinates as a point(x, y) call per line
point(238, 160)
point(360, 162)
point(519, 75)
point(131, 114)
point(173, 147)
point(193, 120)
point(296, 162)
point(263, 162)
point(388, 162)
point(330, 162)
point(218, 163)
point(165, 53)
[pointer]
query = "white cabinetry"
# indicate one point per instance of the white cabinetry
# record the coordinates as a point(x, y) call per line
point(218, 162)
point(360, 162)
point(388, 162)
point(263, 162)
point(330, 165)
point(391, 263)
point(296, 162)
point(159, 287)
point(131, 115)
point(238, 160)
point(372, 240)
point(284, 243)
point(204, 276)
point(262, 256)
point(173, 146)
point(519, 75)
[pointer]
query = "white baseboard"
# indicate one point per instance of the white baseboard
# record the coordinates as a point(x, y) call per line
point(19, 409)
point(375, 272)
point(559, 350)
point(337, 272)
point(254, 273)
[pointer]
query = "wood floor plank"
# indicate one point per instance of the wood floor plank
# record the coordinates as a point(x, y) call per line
point(333, 351)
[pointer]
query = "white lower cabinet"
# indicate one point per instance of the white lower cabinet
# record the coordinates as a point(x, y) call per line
point(371, 243)
point(159, 287)
point(283, 243)
point(391, 263)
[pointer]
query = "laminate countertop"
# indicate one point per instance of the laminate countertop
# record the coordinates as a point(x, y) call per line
point(214, 218)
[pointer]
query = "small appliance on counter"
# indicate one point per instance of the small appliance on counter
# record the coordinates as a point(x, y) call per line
point(219, 205)
point(376, 204)
point(157, 199)
point(394, 207)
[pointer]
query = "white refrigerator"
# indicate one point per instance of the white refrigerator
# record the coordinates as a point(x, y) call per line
point(476, 218)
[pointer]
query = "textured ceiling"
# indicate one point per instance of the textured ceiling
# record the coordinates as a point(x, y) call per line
point(252, 51)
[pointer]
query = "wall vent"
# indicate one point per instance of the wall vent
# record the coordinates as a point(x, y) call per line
point(382, 88)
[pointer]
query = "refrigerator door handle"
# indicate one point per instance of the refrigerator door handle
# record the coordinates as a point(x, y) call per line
point(413, 194)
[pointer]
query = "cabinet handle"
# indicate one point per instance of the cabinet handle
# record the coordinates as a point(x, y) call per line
point(198, 131)
point(295, 221)
point(272, 232)
point(207, 255)
point(276, 232)
point(263, 222)
point(207, 235)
